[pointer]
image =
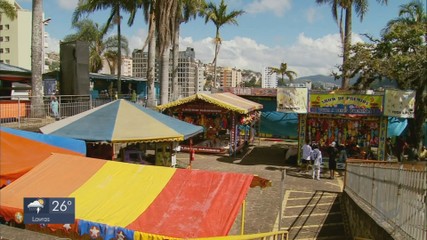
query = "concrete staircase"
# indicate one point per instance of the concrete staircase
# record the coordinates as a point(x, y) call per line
point(313, 215)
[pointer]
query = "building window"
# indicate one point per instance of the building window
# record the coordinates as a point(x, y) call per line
point(6, 39)
point(6, 26)
point(7, 61)
point(1, 50)
point(1, 27)
point(1, 39)
point(7, 50)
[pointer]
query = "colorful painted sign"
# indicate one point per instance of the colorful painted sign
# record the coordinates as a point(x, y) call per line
point(399, 103)
point(346, 104)
point(292, 100)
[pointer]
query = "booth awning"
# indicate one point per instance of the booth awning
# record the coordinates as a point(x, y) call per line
point(225, 100)
point(14, 73)
point(122, 121)
point(135, 200)
point(20, 151)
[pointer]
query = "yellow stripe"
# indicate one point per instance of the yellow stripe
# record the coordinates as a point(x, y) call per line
point(118, 193)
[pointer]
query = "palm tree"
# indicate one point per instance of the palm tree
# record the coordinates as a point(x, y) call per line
point(187, 9)
point(37, 59)
point(361, 7)
point(410, 14)
point(219, 16)
point(165, 14)
point(115, 6)
point(283, 71)
point(8, 9)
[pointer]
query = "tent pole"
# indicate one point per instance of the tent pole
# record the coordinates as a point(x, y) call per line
point(242, 228)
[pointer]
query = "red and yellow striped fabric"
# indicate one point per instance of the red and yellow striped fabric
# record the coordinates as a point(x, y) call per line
point(149, 200)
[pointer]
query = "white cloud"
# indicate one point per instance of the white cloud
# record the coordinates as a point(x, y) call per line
point(137, 41)
point(279, 7)
point(68, 4)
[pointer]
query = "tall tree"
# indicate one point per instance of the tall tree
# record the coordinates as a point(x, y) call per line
point(8, 9)
point(165, 15)
point(219, 16)
point(187, 10)
point(116, 7)
point(283, 71)
point(400, 55)
point(37, 59)
point(360, 7)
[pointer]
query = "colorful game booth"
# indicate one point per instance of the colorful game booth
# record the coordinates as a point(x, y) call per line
point(355, 121)
point(228, 121)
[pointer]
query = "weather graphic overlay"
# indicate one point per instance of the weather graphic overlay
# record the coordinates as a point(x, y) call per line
point(49, 210)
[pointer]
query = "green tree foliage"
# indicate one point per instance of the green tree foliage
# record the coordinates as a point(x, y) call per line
point(8, 9)
point(400, 55)
point(283, 71)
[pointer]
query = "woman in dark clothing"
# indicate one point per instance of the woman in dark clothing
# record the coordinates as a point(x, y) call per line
point(332, 153)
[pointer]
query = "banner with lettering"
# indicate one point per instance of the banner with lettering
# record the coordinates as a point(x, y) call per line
point(292, 100)
point(346, 104)
point(398, 103)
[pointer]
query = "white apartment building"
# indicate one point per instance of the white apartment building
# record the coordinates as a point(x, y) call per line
point(126, 68)
point(269, 79)
point(200, 76)
point(230, 77)
point(187, 72)
point(15, 38)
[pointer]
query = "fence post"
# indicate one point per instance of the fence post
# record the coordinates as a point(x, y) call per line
point(399, 193)
point(19, 112)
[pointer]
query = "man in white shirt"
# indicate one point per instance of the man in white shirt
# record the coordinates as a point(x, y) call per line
point(306, 155)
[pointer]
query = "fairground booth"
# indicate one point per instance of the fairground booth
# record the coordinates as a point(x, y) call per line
point(227, 119)
point(355, 121)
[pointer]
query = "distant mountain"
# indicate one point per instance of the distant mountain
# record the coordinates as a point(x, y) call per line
point(321, 78)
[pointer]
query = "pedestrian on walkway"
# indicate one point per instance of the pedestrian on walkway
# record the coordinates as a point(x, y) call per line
point(388, 149)
point(306, 155)
point(316, 156)
point(333, 154)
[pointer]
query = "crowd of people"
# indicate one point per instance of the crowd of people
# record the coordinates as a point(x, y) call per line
point(312, 155)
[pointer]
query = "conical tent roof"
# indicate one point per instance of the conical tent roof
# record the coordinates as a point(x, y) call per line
point(122, 121)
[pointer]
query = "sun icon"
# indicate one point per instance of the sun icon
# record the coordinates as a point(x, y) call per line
point(41, 201)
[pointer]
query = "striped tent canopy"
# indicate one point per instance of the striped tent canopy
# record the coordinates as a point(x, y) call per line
point(136, 201)
point(20, 151)
point(225, 100)
point(122, 121)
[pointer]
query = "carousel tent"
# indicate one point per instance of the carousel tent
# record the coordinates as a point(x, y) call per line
point(122, 121)
point(137, 201)
point(225, 100)
point(20, 151)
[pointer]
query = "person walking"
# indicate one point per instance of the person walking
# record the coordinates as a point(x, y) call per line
point(306, 155)
point(388, 149)
point(316, 156)
point(332, 153)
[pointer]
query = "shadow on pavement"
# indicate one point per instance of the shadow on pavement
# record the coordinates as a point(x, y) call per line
point(259, 155)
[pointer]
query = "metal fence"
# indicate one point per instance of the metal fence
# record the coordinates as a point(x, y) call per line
point(28, 113)
point(394, 194)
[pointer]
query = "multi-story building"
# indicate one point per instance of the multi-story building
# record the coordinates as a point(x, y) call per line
point(187, 72)
point(269, 79)
point(200, 76)
point(126, 68)
point(230, 77)
point(15, 35)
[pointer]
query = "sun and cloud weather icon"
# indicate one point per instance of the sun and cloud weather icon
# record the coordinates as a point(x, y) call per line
point(36, 205)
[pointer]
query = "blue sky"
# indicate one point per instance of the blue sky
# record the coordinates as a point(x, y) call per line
point(298, 32)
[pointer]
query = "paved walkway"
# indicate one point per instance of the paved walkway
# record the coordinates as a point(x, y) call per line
point(310, 208)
